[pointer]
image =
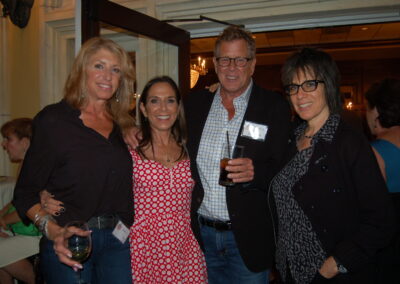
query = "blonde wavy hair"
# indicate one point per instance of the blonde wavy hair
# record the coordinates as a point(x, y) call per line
point(75, 87)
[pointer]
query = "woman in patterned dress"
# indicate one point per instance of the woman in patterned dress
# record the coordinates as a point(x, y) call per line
point(163, 247)
point(332, 206)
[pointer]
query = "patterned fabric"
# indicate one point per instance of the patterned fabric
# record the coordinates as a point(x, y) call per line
point(298, 247)
point(210, 152)
point(163, 247)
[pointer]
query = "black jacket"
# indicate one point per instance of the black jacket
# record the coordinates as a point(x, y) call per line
point(247, 203)
point(346, 199)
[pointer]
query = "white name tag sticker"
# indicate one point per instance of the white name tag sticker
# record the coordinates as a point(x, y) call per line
point(254, 130)
point(121, 232)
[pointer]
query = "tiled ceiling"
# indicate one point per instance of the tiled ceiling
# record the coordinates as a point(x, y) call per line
point(345, 42)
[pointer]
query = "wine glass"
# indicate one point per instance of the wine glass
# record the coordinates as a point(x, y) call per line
point(79, 246)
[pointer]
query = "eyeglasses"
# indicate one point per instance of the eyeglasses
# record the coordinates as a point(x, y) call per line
point(226, 61)
point(306, 86)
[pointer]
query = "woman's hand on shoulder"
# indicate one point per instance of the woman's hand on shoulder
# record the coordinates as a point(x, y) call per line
point(131, 137)
point(213, 87)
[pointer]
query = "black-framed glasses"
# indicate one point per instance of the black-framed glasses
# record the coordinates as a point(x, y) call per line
point(306, 86)
point(239, 61)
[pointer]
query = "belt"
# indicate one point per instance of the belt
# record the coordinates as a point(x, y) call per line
point(103, 222)
point(218, 225)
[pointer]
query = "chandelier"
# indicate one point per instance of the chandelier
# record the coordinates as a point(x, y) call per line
point(196, 70)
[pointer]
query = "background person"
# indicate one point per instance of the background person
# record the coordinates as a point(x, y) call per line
point(163, 247)
point(23, 241)
point(233, 223)
point(332, 207)
point(383, 117)
point(78, 155)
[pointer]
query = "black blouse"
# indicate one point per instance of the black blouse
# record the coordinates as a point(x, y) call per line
point(90, 174)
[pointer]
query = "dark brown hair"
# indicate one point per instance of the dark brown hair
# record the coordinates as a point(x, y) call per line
point(179, 132)
point(385, 96)
point(322, 66)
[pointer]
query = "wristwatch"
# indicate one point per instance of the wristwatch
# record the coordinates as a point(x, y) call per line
point(340, 266)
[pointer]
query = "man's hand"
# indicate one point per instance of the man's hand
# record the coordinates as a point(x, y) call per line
point(240, 170)
point(3, 224)
point(4, 235)
point(131, 137)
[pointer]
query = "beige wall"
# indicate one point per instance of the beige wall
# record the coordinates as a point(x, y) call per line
point(23, 51)
point(22, 93)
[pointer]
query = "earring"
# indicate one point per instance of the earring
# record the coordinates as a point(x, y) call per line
point(117, 98)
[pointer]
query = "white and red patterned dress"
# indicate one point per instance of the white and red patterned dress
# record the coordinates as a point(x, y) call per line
point(163, 247)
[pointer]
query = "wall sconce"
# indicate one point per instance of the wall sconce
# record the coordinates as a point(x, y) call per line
point(349, 105)
point(18, 10)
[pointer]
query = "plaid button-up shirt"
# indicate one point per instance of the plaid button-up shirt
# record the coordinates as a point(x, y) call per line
point(210, 152)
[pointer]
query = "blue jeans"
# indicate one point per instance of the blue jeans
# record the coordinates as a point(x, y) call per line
point(224, 263)
point(109, 262)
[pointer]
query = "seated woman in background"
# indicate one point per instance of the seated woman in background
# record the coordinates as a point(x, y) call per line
point(332, 206)
point(17, 241)
point(383, 117)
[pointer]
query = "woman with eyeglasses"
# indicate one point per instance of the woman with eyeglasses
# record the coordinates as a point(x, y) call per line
point(331, 205)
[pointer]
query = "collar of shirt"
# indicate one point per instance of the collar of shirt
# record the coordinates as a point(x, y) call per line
point(75, 116)
point(241, 100)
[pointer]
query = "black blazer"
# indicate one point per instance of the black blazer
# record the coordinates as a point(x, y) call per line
point(346, 199)
point(247, 203)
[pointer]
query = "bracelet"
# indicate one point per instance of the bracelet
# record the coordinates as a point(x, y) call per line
point(43, 224)
point(37, 217)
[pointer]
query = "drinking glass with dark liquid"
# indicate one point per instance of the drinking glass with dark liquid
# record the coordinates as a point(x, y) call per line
point(79, 246)
point(228, 154)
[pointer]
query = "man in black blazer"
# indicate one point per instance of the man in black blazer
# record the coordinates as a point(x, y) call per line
point(233, 224)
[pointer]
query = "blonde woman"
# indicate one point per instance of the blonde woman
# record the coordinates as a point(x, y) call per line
point(77, 154)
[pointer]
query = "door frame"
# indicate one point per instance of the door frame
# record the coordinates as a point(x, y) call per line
point(94, 12)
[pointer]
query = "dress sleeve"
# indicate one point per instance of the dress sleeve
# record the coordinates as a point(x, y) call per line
point(37, 166)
